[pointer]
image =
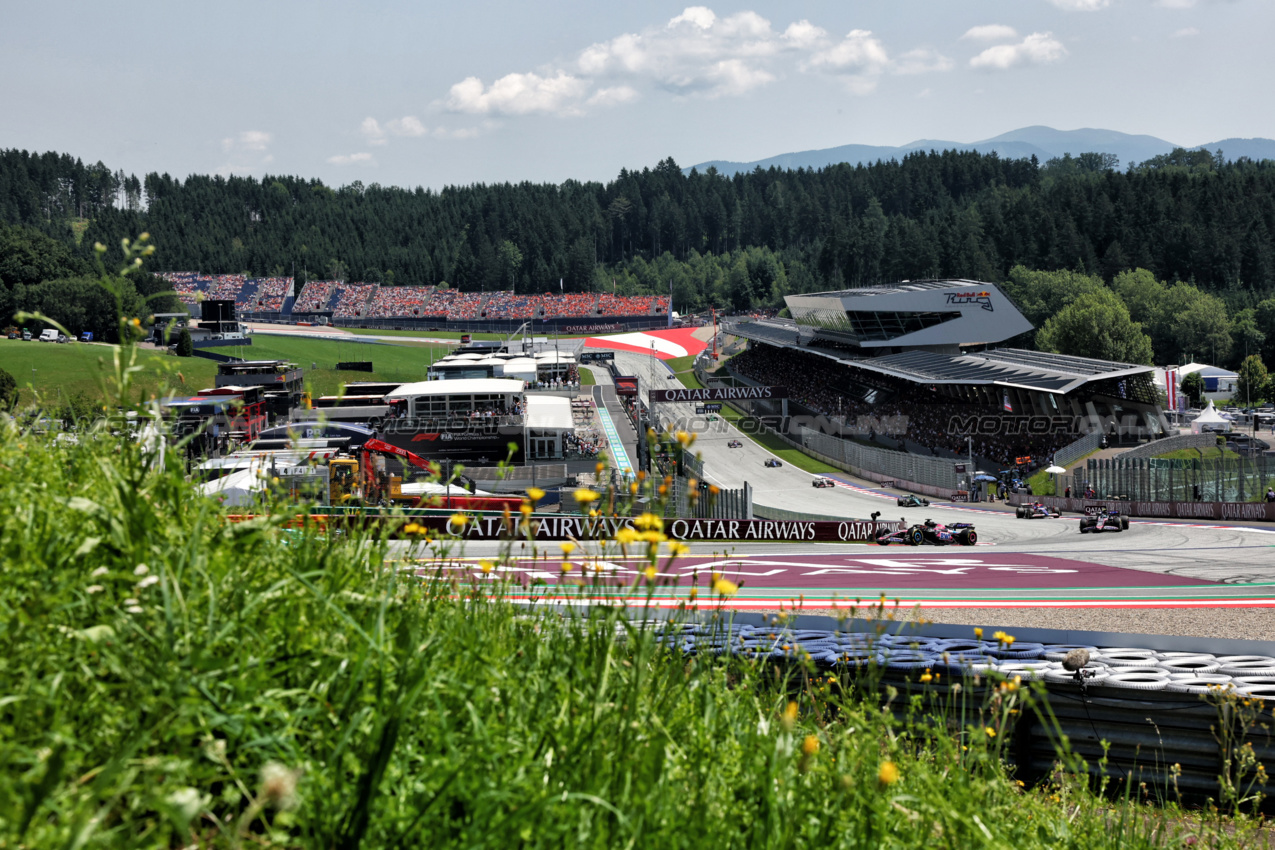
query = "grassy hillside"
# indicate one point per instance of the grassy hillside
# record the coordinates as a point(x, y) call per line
point(73, 370)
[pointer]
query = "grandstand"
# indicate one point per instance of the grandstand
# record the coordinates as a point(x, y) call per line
point(914, 367)
point(276, 298)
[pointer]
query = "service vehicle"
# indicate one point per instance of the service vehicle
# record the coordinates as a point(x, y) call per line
point(1036, 510)
point(912, 501)
point(49, 335)
point(931, 533)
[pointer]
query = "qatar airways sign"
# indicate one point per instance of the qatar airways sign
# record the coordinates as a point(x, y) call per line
point(719, 394)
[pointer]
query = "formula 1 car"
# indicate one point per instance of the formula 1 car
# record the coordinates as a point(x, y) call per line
point(931, 532)
point(1036, 510)
point(823, 482)
point(773, 463)
point(1104, 521)
point(734, 444)
point(912, 501)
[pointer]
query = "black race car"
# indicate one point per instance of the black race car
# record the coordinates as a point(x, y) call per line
point(823, 482)
point(1103, 521)
point(931, 532)
point(734, 444)
point(912, 501)
point(773, 462)
point(1036, 511)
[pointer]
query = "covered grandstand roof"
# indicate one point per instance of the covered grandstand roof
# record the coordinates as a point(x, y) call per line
point(1008, 367)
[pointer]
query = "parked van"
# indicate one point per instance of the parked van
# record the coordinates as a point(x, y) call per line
point(49, 335)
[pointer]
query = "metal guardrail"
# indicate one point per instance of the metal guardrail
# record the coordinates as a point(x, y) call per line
point(933, 472)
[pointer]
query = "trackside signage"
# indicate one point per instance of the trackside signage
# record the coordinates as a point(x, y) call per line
point(719, 394)
point(688, 530)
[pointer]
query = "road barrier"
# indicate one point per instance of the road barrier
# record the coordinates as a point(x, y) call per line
point(1222, 511)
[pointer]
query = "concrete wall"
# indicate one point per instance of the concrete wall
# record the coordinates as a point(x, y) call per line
point(1171, 444)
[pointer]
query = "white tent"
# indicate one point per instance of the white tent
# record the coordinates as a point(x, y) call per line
point(237, 489)
point(522, 367)
point(1210, 420)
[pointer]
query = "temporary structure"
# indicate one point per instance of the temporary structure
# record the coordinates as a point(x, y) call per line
point(1210, 420)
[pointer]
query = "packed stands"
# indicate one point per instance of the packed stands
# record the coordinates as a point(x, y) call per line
point(918, 422)
point(354, 298)
point(373, 301)
point(631, 305)
point(313, 296)
point(395, 301)
point(267, 297)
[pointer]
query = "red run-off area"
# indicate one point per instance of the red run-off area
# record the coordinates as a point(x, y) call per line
point(898, 569)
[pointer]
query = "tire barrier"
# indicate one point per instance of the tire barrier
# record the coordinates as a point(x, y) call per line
point(1131, 668)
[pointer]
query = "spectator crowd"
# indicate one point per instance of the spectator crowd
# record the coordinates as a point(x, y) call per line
point(371, 300)
point(910, 419)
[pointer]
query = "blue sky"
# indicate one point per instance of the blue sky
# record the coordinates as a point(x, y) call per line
point(430, 94)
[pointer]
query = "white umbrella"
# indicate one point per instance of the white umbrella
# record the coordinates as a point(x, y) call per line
point(1055, 470)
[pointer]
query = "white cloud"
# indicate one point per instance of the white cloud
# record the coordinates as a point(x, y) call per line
point(372, 131)
point(1176, 4)
point(1081, 5)
point(408, 126)
point(805, 34)
point(1039, 48)
point(613, 96)
point(519, 94)
point(696, 53)
point(921, 61)
point(254, 141)
point(248, 151)
point(351, 159)
point(990, 32)
point(1186, 32)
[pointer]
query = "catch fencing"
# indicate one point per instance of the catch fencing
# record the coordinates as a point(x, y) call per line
point(1224, 479)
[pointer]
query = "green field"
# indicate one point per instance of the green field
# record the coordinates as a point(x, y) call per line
point(73, 369)
point(65, 372)
point(1211, 453)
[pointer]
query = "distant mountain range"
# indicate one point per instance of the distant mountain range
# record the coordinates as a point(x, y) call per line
point(1045, 142)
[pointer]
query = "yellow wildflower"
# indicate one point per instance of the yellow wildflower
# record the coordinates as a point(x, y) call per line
point(487, 565)
point(810, 746)
point(724, 587)
point(535, 494)
point(585, 495)
point(927, 677)
point(525, 509)
point(676, 548)
point(566, 566)
point(790, 715)
point(713, 489)
point(650, 573)
point(633, 488)
point(626, 536)
point(460, 519)
point(978, 634)
point(648, 521)
point(991, 733)
point(567, 547)
point(683, 438)
point(887, 774)
point(411, 528)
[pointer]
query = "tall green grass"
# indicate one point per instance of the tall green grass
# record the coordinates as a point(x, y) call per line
point(171, 679)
